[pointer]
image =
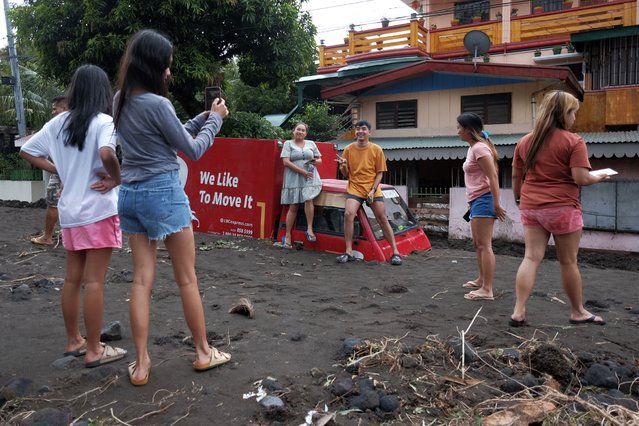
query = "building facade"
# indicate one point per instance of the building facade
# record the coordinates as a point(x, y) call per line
point(411, 80)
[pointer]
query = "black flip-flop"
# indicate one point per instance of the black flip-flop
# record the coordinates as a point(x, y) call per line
point(591, 320)
point(516, 323)
point(396, 260)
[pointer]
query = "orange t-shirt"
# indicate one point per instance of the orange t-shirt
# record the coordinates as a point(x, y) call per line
point(363, 166)
point(549, 183)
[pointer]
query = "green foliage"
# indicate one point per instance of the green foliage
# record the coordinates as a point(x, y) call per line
point(262, 99)
point(37, 92)
point(249, 125)
point(323, 125)
point(11, 162)
point(273, 39)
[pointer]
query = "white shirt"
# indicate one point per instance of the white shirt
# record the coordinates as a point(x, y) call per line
point(79, 205)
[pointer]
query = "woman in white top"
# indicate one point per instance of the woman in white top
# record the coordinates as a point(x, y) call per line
point(81, 144)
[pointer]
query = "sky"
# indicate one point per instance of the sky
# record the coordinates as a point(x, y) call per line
point(331, 17)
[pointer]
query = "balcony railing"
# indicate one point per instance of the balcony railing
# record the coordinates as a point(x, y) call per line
point(445, 41)
point(562, 23)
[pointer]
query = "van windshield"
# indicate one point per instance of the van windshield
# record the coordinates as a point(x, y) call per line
point(400, 218)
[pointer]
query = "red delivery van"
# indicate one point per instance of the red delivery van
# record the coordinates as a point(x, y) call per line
point(234, 189)
point(328, 225)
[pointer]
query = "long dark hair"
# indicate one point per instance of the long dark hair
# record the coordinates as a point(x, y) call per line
point(475, 125)
point(89, 94)
point(147, 56)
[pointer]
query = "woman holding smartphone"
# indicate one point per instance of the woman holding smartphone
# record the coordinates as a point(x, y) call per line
point(152, 203)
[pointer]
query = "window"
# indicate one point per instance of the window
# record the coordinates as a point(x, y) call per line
point(329, 221)
point(613, 62)
point(396, 115)
point(467, 10)
point(493, 109)
point(549, 5)
point(399, 217)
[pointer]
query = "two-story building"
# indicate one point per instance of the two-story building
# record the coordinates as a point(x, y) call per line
point(411, 80)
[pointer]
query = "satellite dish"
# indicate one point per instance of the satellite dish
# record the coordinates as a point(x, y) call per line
point(477, 43)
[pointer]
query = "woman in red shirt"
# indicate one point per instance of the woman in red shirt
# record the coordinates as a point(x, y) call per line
point(549, 166)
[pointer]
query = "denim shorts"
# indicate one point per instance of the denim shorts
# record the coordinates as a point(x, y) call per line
point(362, 200)
point(483, 206)
point(157, 206)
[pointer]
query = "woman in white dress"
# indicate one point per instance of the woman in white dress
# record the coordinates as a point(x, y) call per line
point(301, 180)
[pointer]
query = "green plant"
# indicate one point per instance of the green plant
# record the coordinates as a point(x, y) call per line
point(570, 48)
point(249, 125)
point(9, 163)
point(556, 50)
point(323, 126)
point(537, 52)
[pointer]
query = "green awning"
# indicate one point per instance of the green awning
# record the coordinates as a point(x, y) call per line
point(600, 145)
point(604, 34)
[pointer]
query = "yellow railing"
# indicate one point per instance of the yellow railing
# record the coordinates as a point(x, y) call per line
point(441, 41)
point(453, 39)
point(564, 23)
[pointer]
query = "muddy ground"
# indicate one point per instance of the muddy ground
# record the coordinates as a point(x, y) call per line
point(360, 343)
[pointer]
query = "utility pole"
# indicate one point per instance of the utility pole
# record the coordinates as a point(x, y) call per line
point(17, 87)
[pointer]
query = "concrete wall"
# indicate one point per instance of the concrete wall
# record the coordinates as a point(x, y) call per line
point(21, 190)
point(511, 229)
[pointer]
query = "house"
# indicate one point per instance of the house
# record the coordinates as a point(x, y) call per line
point(411, 80)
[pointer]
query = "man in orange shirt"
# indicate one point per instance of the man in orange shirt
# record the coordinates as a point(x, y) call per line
point(363, 163)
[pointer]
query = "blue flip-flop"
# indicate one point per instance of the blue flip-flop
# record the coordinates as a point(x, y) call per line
point(311, 238)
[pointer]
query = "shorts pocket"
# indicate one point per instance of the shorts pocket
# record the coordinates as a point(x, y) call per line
point(157, 203)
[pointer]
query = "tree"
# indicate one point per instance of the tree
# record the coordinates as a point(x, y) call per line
point(37, 92)
point(249, 125)
point(261, 99)
point(271, 39)
point(323, 126)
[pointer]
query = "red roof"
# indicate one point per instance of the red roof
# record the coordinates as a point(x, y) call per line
point(525, 72)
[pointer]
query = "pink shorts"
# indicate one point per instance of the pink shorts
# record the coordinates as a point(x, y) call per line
point(556, 220)
point(103, 234)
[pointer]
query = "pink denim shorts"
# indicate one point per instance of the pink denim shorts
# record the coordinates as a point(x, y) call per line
point(556, 220)
point(103, 234)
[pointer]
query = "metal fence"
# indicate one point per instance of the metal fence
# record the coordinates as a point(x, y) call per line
point(20, 174)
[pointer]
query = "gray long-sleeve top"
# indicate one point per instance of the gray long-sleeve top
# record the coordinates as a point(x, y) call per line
point(150, 134)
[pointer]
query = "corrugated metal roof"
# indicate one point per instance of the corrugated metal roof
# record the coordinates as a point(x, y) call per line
point(600, 144)
point(611, 137)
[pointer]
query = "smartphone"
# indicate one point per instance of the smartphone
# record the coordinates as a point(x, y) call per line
point(210, 94)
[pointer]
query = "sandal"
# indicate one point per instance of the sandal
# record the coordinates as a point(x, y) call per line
point(39, 241)
point(137, 382)
point(344, 258)
point(310, 237)
point(109, 354)
point(396, 260)
point(217, 358)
